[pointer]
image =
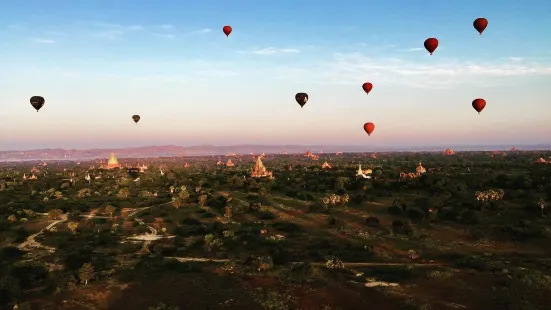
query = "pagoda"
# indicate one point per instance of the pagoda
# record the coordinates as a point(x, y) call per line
point(259, 171)
point(229, 163)
point(142, 168)
point(449, 152)
point(112, 163)
point(541, 161)
point(326, 165)
point(410, 175)
point(420, 169)
point(32, 177)
point(363, 173)
point(311, 155)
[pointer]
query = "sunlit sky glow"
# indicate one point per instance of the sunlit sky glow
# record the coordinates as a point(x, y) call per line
point(99, 62)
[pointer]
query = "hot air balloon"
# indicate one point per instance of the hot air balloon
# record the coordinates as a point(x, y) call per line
point(301, 99)
point(431, 44)
point(369, 127)
point(227, 30)
point(479, 104)
point(136, 118)
point(367, 87)
point(37, 102)
point(480, 24)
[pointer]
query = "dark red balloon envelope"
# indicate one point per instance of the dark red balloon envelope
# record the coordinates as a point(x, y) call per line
point(431, 44)
point(227, 30)
point(479, 105)
point(367, 87)
point(480, 24)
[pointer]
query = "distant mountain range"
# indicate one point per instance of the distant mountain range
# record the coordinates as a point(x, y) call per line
point(172, 150)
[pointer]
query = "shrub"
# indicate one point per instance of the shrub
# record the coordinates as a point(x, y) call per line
point(263, 215)
point(403, 227)
point(190, 221)
point(449, 214)
point(286, 227)
point(470, 217)
point(316, 207)
point(415, 214)
point(394, 210)
point(305, 196)
point(372, 221)
point(207, 215)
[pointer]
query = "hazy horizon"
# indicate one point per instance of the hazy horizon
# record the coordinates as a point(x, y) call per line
point(99, 63)
point(312, 147)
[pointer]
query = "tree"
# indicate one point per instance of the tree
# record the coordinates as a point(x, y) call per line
point(202, 200)
point(542, 205)
point(162, 306)
point(177, 202)
point(73, 227)
point(55, 214)
point(10, 289)
point(110, 210)
point(86, 273)
point(123, 193)
point(184, 194)
point(228, 211)
point(340, 182)
point(236, 182)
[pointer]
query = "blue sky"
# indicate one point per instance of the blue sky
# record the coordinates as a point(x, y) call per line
point(99, 62)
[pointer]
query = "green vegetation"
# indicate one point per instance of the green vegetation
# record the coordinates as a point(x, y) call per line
point(210, 236)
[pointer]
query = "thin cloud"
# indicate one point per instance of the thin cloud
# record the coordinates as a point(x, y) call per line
point(182, 72)
point(54, 33)
point(414, 49)
point(351, 68)
point(115, 31)
point(200, 31)
point(166, 35)
point(516, 59)
point(44, 41)
point(272, 51)
point(165, 27)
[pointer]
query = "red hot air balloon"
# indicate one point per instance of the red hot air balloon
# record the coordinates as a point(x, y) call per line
point(431, 44)
point(367, 87)
point(369, 127)
point(227, 30)
point(480, 24)
point(479, 104)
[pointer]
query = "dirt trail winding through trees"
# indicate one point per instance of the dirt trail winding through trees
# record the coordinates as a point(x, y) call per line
point(147, 237)
point(346, 265)
point(31, 243)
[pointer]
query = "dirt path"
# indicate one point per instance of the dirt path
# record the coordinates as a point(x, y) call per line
point(346, 265)
point(147, 238)
point(382, 264)
point(198, 259)
point(31, 243)
point(133, 213)
point(152, 231)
